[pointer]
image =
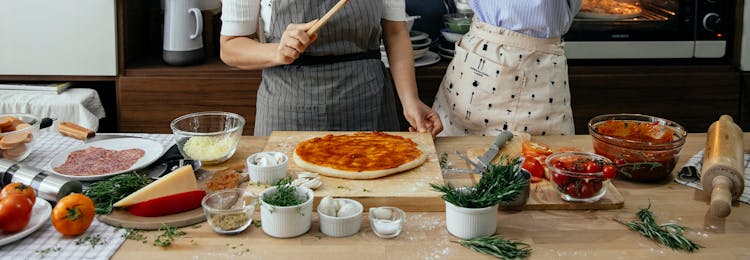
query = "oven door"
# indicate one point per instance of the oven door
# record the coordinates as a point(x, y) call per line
point(621, 29)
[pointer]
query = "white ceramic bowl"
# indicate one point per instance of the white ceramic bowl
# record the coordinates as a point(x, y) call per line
point(420, 53)
point(341, 226)
point(267, 174)
point(286, 222)
point(387, 228)
point(221, 206)
point(450, 36)
point(470, 223)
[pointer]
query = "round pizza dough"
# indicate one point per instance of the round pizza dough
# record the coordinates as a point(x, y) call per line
point(358, 174)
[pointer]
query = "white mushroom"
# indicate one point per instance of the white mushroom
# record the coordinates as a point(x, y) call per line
point(328, 206)
point(308, 180)
point(382, 213)
point(347, 209)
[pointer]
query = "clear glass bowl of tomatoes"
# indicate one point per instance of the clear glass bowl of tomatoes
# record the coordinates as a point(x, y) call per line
point(580, 176)
point(643, 148)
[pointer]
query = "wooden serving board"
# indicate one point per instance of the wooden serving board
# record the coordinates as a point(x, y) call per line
point(409, 190)
point(543, 196)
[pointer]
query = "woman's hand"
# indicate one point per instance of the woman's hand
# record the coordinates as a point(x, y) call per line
point(422, 118)
point(293, 42)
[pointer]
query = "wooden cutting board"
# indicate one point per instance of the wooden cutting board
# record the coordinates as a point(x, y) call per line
point(122, 218)
point(542, 195)
point(409, 190)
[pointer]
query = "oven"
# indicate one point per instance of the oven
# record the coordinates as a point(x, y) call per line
point(649, 29)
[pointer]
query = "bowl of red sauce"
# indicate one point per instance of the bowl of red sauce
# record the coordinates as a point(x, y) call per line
point(643, 148)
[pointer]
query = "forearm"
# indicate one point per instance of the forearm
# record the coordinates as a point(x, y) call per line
point(401, 60)
point(247, 53)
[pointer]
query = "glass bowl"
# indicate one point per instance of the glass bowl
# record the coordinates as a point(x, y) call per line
point(210, 137)
point(574, 179)
point(229, 211)
point(17, 135)
point(643, 148)
point(387, 225)
point(457, 22)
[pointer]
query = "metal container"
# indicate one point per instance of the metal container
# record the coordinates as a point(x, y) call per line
point(47, 186)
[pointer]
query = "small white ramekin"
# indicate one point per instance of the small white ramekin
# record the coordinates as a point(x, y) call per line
point(266, 174)
point(469, 223)
point(341, 226)
point(286, 222)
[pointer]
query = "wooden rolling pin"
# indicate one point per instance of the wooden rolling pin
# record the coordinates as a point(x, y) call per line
point(723, 171)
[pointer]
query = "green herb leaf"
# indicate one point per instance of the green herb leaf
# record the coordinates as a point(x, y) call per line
point(498, 247)
point(168, 235)
point(670, 234)
point(107, 192)
point(443, 161)
point(285, 194)
point(500, 183)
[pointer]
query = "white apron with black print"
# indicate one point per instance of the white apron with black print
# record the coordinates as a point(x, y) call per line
point(500, 79)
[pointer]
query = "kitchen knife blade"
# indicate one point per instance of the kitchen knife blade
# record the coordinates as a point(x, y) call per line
point(478, 167)
point(501, 139)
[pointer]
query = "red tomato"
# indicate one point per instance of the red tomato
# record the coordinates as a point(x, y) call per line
point(15, 212)
point(533, 166)
point(619, 161)
point(609, 171)
point(597, 185)
point(592, 167)
point(559, 178)
point(571, 189)
point(587, 189)
point(534, 149)
point(17, 187)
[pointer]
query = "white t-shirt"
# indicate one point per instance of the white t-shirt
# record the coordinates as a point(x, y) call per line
point(240, 17)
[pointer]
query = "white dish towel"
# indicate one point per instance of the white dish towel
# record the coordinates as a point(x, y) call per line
point(690, 174)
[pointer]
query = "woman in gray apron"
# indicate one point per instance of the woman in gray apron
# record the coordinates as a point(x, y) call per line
point(335, 81)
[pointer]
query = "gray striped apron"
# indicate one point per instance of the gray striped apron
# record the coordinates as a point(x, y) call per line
point(350, 95)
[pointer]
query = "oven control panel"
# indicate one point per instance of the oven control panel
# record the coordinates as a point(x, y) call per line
point(711, 19)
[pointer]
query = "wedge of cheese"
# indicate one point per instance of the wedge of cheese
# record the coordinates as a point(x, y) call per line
point(178, 181)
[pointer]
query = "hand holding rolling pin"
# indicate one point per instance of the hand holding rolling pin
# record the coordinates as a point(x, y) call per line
point(723, 169)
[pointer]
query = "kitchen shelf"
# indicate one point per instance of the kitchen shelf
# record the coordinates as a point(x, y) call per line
point(212, 67)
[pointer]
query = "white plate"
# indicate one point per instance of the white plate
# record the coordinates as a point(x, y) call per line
point(417, 35)
point(428, 59)
point(153, 150)
point(446, 56)
point(421, 44)
point(40, 213)
point(446, 50)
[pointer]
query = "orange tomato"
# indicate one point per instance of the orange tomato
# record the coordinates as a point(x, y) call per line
point(15, 212)
point(73, 214)
point(535, 149)
point(20, 188)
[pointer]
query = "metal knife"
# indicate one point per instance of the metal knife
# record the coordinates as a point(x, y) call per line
point(500, 140)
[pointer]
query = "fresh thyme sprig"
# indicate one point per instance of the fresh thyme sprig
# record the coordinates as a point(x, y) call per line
point(107, 192)
point(168, 235)
point(443, 161)
point(497, 246)
point(670, 234)
point(500, 183)
point(285, 194)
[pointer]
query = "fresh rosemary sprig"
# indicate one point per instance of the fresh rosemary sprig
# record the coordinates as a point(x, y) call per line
point(285, 194)
point(107, 192)
point(500, 183)
point(498, 247)
point(670, 234)
point(168, 235)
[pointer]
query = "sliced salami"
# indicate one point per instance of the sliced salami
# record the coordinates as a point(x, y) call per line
point(94, 161)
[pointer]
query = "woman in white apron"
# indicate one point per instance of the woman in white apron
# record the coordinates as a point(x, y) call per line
point(333, 80)
point(510, 71)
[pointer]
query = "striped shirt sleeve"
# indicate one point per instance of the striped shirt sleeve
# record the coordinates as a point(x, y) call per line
point(239, 17)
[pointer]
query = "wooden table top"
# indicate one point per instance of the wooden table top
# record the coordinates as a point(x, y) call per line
point(552, 234)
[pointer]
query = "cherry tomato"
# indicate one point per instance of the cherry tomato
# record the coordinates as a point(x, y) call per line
point(15, 212)
point(559, 164)
point(73, 214)
point(17, 187)
point(571, 189)
point(597, 185)
point(535, 149)
point(609, 171)
point(587, 189)
point(619, 161)
point(592, 167)
point(560, 178)
point(533, 166)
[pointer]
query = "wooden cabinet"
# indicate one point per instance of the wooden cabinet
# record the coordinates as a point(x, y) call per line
point(150, 93)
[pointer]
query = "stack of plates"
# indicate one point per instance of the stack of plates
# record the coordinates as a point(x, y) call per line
point(447, 45)
point(420, 43)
